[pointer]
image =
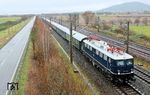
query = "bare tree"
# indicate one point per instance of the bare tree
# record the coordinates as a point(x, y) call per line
point(137, 21)
point(75, 20)
point(111, 22)
point(130, 21)
point(88, 17)
point(97, 23)
point(145, 21)
point(105, 25)
point(120, 21)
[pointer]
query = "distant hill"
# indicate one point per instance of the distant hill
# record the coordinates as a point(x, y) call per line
point(127, 7)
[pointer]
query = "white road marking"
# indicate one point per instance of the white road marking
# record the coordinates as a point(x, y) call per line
point(3, 62)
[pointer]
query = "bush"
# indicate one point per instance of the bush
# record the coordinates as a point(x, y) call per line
point(50, 74)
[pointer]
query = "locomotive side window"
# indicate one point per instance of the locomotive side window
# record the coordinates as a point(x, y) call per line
point(85, 45)
point(76, 41)
point(105, 57)
point(101, 55)
point(94, 50)
point(109, 60)
point(120, 63)
point(90, 48)
point(97, 52)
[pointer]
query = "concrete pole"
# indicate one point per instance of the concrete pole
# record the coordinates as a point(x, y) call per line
point(98, 24)
point(127, 43)
point(71, 58)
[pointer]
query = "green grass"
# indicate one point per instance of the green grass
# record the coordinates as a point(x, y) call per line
point(22, 75)
point(6, 35)
point(5, 19)
point(6, 25)
point(144, 30)
point(3, 26)
point(144, 64)
point(6, 22)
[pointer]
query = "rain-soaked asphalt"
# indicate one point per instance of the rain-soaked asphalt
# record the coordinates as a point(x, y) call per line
point(10, 56)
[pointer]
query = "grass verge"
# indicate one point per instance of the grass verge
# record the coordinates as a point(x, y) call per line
point(7, 34)
point(142, 63)
point(144, 30)
point(5, 19)
point(50, 72)
point(22, 73)
point(71, 68)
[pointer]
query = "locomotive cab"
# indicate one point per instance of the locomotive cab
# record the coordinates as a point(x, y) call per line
point(123, 69)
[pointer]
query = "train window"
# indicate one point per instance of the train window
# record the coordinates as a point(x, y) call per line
point(94, 50)
point(109, 60)
point(105, 57)
point(73, 40)
point(129, 62)
point(120, 63)
point(101, 55)
point(85, 45)
point(90, 48)
point(76, 41)
point(97, 52)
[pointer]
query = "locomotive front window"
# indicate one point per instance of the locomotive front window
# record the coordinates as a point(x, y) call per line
point(129, 62)
point(120, 63)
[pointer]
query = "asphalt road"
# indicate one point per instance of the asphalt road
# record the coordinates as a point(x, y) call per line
point(10, 56)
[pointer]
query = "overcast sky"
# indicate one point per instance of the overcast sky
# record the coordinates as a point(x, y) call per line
point(56, 6)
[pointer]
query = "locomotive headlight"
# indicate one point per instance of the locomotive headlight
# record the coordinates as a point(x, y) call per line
point(118, 72)
point(132, 70)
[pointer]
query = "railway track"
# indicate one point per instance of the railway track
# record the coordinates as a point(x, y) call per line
point(135, 49)
point(144, 76)
point(127, 89)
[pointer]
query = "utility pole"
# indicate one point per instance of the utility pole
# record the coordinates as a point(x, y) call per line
point(50, 18)
point(75, 21)
point(61, 20)
point(98, 24)
point(127, 42)
point(71, 58)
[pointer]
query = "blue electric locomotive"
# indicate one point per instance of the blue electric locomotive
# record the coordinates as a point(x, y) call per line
point(117, 64)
